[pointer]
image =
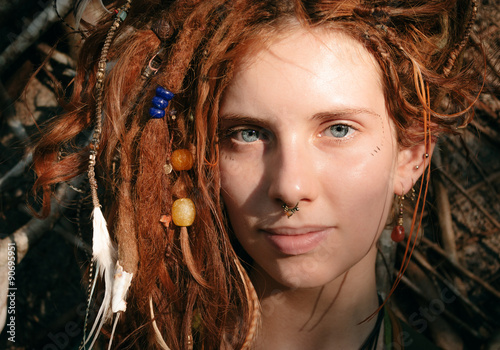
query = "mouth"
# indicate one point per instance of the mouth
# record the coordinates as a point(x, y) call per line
point(296, 241)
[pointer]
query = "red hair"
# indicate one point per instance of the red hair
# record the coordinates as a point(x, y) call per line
point(203, 41)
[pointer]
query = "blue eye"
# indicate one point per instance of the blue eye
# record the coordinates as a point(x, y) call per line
point(340, 130)
point(250, 135)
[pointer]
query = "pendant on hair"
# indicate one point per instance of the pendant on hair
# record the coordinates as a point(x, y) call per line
point(183, 215)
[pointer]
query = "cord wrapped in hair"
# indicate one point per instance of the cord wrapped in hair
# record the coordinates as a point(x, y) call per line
point(104, 251)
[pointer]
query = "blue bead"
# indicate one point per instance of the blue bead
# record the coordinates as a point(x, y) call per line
point(164, 93)
point(156, 113)
point(122, 15)
point(159, 102)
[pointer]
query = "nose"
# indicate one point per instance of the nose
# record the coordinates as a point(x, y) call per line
point(291, 175)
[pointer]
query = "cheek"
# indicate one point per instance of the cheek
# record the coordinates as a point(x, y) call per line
point(231, 176)
point(361, 188)
point(241, 174)
point(237, 183)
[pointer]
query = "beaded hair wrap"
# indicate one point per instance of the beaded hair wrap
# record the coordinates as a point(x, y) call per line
point(104, 254)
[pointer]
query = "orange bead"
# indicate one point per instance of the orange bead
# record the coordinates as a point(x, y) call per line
point(181, 159)
point(398, 233)
point(183, 212)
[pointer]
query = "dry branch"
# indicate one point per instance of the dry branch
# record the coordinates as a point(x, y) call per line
point(18, 169)
point(444, 212)
point(472, 200)
point(420, 259)
point(9, 114)
point(461, 269)
point(56, 55)
point(28, 235)
point(36, 28)
point(406, 281)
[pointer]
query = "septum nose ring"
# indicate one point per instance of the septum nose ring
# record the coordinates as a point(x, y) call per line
point(290, 211)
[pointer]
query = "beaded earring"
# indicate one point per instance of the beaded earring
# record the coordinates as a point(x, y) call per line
point(398, 232)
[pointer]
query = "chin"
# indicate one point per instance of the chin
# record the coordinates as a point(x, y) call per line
point(303, 275)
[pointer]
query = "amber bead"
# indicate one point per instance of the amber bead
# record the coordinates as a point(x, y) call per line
point(181, 159)
point(183, 212)
point(398, 233)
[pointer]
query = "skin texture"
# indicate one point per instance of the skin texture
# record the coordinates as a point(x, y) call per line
point(293, 94)
point(305, 122)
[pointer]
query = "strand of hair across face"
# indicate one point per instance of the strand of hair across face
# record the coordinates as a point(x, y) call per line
point(423, 92)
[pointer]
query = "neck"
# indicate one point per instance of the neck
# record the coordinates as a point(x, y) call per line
point(326, 317)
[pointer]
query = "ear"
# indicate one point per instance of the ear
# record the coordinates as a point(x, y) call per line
point(411, 164)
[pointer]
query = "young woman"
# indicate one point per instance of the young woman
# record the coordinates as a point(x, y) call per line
point(247, 155)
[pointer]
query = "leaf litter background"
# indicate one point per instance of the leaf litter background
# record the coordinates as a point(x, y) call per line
point(450, 291)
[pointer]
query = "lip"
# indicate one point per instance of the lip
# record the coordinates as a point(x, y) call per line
point(296, 241)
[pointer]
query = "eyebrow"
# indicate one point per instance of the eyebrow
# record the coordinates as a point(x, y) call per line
point(235, 118)
point(343, 112)
point(336, 114)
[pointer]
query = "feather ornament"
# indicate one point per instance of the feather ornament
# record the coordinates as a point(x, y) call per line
point(159, 338)
point(121, 285)
point(104, 255)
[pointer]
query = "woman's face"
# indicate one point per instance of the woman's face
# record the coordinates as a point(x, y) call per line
point(305, 122)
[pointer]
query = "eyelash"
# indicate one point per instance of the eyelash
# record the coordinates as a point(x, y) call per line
point(231, 133)
point(235, 133)
point(350, 130)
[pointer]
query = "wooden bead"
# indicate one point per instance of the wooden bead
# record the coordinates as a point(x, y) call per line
point(181, 159)
point(183, 212)
point(398, 233)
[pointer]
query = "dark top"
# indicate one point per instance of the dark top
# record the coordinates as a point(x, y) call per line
point(398, 335)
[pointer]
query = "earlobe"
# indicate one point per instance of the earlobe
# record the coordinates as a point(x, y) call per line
point(411, 164)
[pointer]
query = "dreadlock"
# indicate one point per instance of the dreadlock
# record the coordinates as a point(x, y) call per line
point(205, 298)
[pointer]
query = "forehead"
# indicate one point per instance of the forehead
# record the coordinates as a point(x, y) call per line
point(293, 44)
point(316, 68)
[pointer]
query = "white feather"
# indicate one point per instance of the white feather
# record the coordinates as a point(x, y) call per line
point(121, 285)
point(104, 254)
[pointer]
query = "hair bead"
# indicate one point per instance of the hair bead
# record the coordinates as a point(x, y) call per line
point(156, 113)
point(159, 102)
point(183, 212)
point(164, 93)
point(181, 159)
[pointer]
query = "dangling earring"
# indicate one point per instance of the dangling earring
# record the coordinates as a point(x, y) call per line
point(398, 232)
